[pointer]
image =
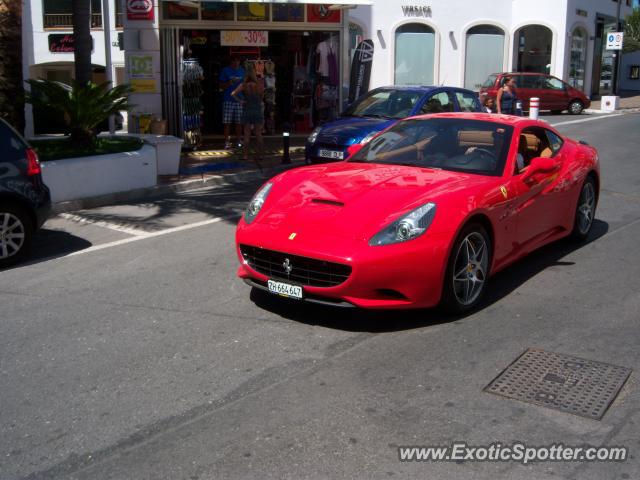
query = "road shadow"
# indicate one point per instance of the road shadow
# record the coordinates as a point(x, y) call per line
point(226, 201)
point(49, 244)
point(386, 321)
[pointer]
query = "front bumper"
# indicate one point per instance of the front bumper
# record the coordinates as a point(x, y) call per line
point(400, 276)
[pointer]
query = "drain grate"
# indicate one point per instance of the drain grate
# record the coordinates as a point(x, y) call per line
point(565, 383)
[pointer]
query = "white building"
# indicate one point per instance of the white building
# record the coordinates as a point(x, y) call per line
point(461, 42)
point(48, 46)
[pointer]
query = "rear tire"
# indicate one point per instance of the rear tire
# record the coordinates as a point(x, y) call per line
point(575, 107)
point(585, 211)
point(467, 271)
point(16, 231)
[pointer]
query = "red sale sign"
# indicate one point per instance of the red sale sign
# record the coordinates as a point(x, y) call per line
point(139, 9)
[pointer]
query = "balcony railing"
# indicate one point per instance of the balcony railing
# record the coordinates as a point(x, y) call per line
point(65, 20)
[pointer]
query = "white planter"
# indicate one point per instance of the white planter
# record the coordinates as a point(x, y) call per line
point(167, 151)
point(84, 177)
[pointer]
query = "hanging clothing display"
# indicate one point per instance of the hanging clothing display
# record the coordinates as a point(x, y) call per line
point(269, 97)
point(326, 61)
point(192, 75)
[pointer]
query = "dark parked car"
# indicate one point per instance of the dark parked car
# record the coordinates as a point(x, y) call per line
point(25, 201)
point(379, 109)
point(554, 94)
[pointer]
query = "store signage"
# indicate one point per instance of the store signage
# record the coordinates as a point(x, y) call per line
point(244, 38)
point(141, 74)
point(416, 10)
point(63, 43)
point(361, 70)
point(614, 40)
point(322, 13)
point(139, 9)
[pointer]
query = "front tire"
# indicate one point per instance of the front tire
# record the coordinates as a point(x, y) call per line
point(467, 270)
point(585, 211)
point(575, 107)
point(16, 230)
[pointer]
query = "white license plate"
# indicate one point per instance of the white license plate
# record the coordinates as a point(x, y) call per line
point(331, 154)
point(285, 289)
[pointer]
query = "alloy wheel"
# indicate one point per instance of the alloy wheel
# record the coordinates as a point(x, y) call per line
point(470, 268)
point(586, 208)
point(12, 235)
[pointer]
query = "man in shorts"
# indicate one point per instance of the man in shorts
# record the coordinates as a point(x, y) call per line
point(230, 78)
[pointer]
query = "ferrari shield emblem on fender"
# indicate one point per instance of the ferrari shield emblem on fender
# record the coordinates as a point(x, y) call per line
point(292, 236)
point(504, 192)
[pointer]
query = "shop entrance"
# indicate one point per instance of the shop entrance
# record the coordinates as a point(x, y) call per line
point(291, 59)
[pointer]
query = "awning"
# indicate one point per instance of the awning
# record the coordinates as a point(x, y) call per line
point(338, 2)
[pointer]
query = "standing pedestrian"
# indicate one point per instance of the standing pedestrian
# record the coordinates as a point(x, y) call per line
point(230, 78)
point(506, 99)
point(253, 113)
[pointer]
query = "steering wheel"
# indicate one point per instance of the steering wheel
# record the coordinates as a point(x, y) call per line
point(486, 153)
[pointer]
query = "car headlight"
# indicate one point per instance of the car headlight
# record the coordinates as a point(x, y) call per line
point(314, 135)
point(408, 227)
point(257, 202)
point(368, 137)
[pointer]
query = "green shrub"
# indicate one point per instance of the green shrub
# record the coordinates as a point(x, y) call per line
point(83, 107)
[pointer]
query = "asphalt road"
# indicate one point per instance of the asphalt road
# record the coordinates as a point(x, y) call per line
point(129, 350)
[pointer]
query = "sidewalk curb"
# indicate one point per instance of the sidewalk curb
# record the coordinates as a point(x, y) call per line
point(609, 112)
point(159, 190)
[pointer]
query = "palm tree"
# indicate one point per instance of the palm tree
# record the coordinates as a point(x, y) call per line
point(11, 89)
point(81, 10)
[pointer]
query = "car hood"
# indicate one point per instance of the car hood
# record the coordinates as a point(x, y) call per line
point(355, 200)
point(349, 130)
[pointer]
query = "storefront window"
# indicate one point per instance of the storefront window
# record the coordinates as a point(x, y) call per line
point(578, 58)
point(253, 12)
point(484, 55)
point(534, 49)
point(217, 11)
point(414, 52)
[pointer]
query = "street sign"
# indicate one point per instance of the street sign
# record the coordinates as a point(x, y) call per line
point(614, 40)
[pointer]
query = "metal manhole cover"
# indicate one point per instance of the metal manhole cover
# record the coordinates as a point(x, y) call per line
point(566, 383)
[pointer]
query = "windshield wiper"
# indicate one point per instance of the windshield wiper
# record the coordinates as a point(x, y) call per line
point(377, 115)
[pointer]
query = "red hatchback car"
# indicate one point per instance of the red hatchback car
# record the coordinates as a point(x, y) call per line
point(554, 94)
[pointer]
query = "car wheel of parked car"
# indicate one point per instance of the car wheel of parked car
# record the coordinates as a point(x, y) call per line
point(585, 211)
point(575, 107)
point(467, 270)
point(16, 229)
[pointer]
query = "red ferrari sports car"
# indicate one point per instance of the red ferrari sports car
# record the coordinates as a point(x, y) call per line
point(421, 215)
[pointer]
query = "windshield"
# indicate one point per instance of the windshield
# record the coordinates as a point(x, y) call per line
point(489, 82)
point(446, 143)
point(385, 104)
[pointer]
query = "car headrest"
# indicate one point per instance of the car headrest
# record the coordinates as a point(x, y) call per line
point(475, 138)
point(533, 142)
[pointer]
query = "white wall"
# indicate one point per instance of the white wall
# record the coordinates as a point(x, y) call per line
point(451, 19)
point(37, 44)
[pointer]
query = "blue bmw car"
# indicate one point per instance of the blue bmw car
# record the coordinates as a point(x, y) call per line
point(379, 109)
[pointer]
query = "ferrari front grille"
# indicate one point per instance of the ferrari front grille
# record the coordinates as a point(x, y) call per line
point(294, 268)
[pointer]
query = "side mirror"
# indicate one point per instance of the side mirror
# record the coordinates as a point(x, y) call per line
point(540, 165)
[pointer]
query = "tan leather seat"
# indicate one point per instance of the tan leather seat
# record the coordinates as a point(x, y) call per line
point(475, 138)
point(546, 153)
